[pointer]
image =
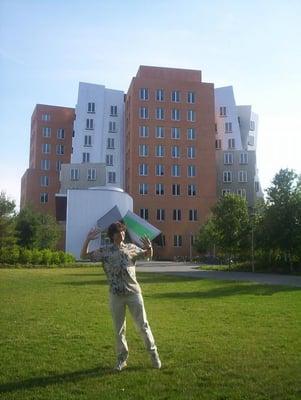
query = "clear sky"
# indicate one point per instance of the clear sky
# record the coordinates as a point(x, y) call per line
point(48, 46)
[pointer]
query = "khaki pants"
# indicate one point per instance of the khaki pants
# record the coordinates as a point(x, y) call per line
point(135, 304)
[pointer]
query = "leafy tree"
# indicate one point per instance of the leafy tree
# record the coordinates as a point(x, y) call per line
point(48, 233)
point(7, 214)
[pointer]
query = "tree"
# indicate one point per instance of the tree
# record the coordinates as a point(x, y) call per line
point(48, 233)
point(7, 214)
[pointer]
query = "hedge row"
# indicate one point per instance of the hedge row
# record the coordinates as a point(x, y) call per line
point(18, 255)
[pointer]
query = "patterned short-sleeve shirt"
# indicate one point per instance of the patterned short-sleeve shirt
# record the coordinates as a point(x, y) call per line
point(119, 266)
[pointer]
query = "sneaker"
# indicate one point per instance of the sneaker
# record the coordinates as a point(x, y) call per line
point(120, 366)
point(155, 360)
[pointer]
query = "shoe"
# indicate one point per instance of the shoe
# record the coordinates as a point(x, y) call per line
point(155, 360)
point(120, 366)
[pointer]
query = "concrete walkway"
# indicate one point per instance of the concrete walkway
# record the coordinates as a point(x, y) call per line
point(186, 269)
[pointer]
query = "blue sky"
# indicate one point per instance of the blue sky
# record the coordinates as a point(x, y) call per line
point(48, 46)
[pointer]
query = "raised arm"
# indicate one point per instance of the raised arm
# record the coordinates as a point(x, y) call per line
point(147, 247)
point(92, 235)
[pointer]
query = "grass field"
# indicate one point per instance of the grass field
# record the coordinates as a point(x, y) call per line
point(217, 340)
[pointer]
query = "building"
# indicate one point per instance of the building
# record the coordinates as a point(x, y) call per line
point(99, 130)
point(170, 153)
point(236, 142)
point(50, 147)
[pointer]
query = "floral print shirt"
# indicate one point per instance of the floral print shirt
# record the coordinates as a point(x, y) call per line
point(119, 266)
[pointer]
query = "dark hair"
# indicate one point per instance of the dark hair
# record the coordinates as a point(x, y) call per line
point(114, 228)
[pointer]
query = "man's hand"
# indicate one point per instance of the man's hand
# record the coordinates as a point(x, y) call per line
point(147, 244)
point(93, 233)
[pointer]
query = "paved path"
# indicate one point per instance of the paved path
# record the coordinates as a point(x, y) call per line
point(186, 269)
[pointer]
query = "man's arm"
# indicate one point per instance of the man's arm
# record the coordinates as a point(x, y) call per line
point(92, 235)
point(147, 247)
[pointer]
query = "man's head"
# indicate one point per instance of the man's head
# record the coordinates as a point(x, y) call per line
point(116, 231)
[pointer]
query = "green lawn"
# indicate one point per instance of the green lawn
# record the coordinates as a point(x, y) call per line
point(217, 340)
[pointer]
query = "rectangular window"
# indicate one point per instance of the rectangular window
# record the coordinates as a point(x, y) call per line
point(218, 144)
point(74, 174)
point(252, 125)
point(256, 186)
point(91, 175)
point(175, 170)
point(45, 165)
point(88, 140)
point(143, 113)
point(109, 160)
point(113, 111)
point(60, 149)
point(160, 151)
point(191, 134)
point(223, 111)
point(243, 158)
point(143, 188)
point(242, 176)
point(143, 169)
point(225, 192)
point(228, 158)
point(193, 215)
point(191, 115)
point(159, 189)
point(159, 113)
point(143, 150)
point(191, 152)
point(46, 148)
point(143, 94)
point(89, 123)
point(191, 97)
point(231, 143)
point(112, 126)
point(242, 193)
point(160, 214)
point(159, 169)
point(175, 133)
point(175, 96)
point(91, 108)
point(44, 180)
point(110, 143)
point(143, 131)
point(160, 132)
point(176, 214)
point(44, 198)
point(160, 95)
point(177, 240)
point(175, 114)
point(175, 152)
point(176, 189)
point(191, 190)
point(111, 177)
point(45, 117)
point(191, 171)
point(228, 127)
point(46, 131)
point(58, 165)
point(86, 157)
point(227, 176)
point(60, 133)
point(144, 213)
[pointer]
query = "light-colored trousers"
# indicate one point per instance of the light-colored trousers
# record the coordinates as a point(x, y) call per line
point(135, 303)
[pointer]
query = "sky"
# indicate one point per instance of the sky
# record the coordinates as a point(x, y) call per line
point(48, 46)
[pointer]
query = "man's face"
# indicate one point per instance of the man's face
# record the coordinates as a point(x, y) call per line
point(119, 236)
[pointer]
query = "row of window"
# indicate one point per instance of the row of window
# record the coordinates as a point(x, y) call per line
point(176, 189)
point(175, 151)
point(231, 144)
point(228, 176)
point(75, 174)
point(90, 125)
point(46, 149)
point(229, 158)
point(175, 170)
point(175, 114)
point(91, 109)
point(239, 192)
point(160, 95)
point(175, 132)
point(88, 142)
point(192, 214)
point(46, 132)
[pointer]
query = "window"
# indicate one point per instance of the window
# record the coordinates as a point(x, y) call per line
point(44, 198)
point(109, 159)
point(88, 140)
point(160, 132)
point(45, 117)
point(225, 192)
point(159, 113)
point(160, 151)
point(191, 152)
point(175, 151)
point(91, 175)
point(143, 169)
point(60, 149)
point(227, 176)
point(191, 115)
point(175, 133)
point(175, 170)
point(144, 213)
point(176, 214)
point(228, 158)
point(111, 177)
point(46, 148)
point(191, 97)
point(113, 111)
point(191, 189)
point(143, 94)
point(143, 131)
point(218, 144)
point(242, 193)
point(160, 95)
point(160, 214)
point(60, 133)
point(86, 157)
point(143, 188)
point(143, 112)
point(243, 158)
point(58, 165)
point(252, 125)
point(177, 240)
point(223, 111)
point(175, 114)
point(193, 215)
point(45, 165)
point(191, 171)
point(256, 186)
point(242, 176)
point(159, 169)
point(112, 126)
point(215, 127)
point(231, 143)
point(175, 96)
point(46, 131)
point(91, 108)
point(176, 189)
point(228, 127)
point(159, 189)
point(110, 143)
point(190, 133)
point(143, 150)
point(89, 123)
point(74, 174)
point(44, 180)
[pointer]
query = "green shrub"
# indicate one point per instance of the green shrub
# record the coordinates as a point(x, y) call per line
point(46, 256)
point(36, 257)
point(25, 256)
